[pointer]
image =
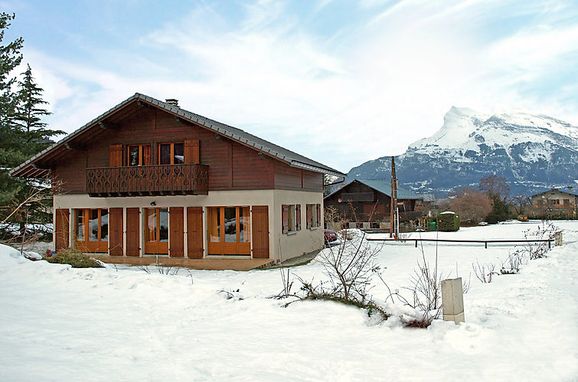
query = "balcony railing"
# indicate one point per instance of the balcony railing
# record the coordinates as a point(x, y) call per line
point(183, 179)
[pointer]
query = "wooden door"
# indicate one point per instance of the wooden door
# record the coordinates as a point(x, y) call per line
point(115, 229)
point(132, 232)
point(176, 232)
point(195, 232)
point(260, 226)
point(62, 231)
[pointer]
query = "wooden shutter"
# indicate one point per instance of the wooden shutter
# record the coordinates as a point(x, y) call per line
point(309, 216)
point(176, 232)
point(192, 151)
point(318, 211)
point(115, 155)
point(260, 232)
point(146, 155)
point(132, 232)
point(195, 232)
point(284, 218)
point(62, 230)
point(298, 217)
point(115, 232)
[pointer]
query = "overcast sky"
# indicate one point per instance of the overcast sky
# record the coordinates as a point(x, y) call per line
point(339, 81)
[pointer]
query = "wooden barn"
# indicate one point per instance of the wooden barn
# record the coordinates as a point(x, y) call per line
point(148, 180)
point(360, 203)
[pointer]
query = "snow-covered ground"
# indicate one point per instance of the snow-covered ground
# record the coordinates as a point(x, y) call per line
point(63, 324)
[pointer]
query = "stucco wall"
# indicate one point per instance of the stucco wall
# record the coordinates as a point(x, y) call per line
point(281, 246)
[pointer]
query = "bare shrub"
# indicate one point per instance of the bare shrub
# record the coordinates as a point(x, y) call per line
point(484, 272)
point(350, 267)
point(471, 205)
point(512, 264)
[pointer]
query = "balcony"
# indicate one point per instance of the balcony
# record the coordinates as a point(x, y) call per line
point(183, 179)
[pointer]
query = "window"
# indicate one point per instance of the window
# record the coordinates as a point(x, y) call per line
point(313, 212)
point(290, 218)
point(171, 153)
point(138, 155)
point(156, 231)
point(157, 225)
point(229, 230)
point(91, 229)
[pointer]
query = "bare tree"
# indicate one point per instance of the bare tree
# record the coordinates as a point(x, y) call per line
point(471, 205)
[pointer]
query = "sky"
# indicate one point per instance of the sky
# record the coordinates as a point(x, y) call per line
point(339, 81)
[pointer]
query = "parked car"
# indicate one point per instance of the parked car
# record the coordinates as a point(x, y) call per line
point(331, 237)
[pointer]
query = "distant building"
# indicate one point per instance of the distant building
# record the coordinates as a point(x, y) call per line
point(367, 204)
point(555, 204)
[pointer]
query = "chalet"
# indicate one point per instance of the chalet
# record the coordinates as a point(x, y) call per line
point(365, 203)
point(148, 179)
point(554, 203)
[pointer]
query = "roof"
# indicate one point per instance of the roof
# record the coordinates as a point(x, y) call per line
point(381, 186)
point(555, 190)
point(30, 168)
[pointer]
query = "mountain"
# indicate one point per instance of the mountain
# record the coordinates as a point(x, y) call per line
point(533, 153)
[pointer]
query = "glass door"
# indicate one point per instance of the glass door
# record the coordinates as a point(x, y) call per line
point(156, 231)
point(229, 230)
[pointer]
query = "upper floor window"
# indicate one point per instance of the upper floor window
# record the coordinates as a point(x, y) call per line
point(138, 155)
point(171, 153)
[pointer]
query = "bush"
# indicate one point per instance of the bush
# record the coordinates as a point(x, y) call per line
point(448, 222)
point(75, 258)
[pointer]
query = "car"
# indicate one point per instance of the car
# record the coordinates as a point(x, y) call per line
point(331, 237)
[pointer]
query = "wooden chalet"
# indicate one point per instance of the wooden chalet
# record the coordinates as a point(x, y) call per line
point(361, 203)
point(554, 204)
point(149, 180)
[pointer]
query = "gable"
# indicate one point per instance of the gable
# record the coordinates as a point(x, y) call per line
point(40, 164)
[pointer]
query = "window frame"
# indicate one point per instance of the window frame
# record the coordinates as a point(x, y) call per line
point(86, 244)
point(171, 153)
point(141, 154)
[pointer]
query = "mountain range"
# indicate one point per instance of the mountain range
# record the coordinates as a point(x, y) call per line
point(533, 153)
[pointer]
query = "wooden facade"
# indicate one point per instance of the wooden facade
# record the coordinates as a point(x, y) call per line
point(554, 204)
point(150, 179)
point(361, 205)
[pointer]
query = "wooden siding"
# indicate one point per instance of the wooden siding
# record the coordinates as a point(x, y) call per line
point(177, 232)
point(132, 232)
point(232, 166)
point(195, 232)
point(62, 229)
point(115, 235)
point(260, 226)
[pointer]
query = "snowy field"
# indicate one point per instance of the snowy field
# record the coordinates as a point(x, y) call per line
point(63, 324)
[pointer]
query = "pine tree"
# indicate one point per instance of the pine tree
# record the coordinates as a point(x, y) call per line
point(29, 114)
point(10, 156)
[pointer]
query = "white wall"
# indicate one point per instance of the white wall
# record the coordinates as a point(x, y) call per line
point(281, 246)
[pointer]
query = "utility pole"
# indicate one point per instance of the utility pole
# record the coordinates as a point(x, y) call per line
point(393, 217)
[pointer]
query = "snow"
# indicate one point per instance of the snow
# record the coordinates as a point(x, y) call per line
point(123, 324)
point(465, 129)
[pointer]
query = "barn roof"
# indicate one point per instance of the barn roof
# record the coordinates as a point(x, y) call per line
point(33, 167)
point(383, 187)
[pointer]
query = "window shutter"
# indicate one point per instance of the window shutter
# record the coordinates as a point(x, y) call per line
point(298, 217)
point(285, 218)
point(192, 151)
point(318, 208)
point(146, 155)
point(115, 155)
point(309, 216)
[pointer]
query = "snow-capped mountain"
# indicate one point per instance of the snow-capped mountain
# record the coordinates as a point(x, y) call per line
point(533, 152)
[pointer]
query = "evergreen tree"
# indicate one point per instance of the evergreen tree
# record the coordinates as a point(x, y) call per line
point(10, 156)
point(29, 114)
point(22, 134)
